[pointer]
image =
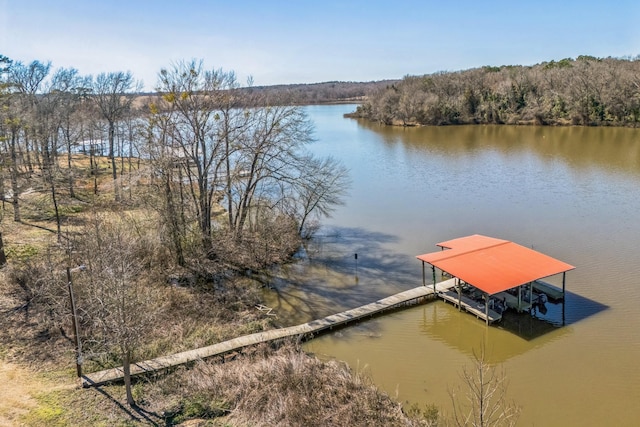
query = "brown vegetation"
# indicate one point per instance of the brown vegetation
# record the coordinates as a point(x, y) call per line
point(158, 213)
point(324, 93)
point(261, 387)
point(285, 387)
point(586, 91)
point(161, 268)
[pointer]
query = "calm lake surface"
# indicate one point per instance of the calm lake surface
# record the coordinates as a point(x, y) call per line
point(572, 193)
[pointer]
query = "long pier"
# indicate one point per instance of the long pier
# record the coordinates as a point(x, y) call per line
point(411, 296)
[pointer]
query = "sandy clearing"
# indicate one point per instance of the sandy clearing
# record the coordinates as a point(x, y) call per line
point(17, 387)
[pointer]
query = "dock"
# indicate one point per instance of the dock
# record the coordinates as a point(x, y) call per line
point(512, 301)
point(469, 305)
point(305, 330)
point(548, 289)
point(494, 266)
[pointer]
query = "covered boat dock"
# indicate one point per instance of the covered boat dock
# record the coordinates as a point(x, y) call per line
point(493, 274)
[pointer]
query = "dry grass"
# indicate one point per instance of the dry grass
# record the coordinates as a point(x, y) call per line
point(37, 370)
point(16, 393)
point(285, 387)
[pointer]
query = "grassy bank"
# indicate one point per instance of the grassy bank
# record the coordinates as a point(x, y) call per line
point(266, 385)
point(192, 306)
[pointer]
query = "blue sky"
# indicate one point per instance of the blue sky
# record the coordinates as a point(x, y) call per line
point(313, 41)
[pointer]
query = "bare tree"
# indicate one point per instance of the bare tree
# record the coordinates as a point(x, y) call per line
point(71, 89)
point(233, 123)
point(229, 143)
point(191, 93)
point(112, 95)
point(167, 179)
point(5, 63)
point(268, 152)
point(119, 302)
point(484, 397)
point(47, 112)
point(23, 83)
point(319, 188)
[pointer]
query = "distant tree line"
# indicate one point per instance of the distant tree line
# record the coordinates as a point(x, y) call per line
point(585, 91)
point(323, 93)
point(334, 92)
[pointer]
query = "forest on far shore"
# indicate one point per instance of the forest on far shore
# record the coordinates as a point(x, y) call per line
point(586, 91)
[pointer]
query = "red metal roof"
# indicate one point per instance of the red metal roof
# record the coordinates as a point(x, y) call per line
point(493, 265)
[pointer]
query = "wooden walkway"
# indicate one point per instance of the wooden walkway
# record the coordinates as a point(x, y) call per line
point(411, 296)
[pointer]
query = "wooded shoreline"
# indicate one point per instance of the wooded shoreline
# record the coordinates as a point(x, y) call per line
point(585, 91)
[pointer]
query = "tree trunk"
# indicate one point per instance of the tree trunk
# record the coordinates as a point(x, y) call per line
point(183, 219)
point(205, 212)
point(130, 159)
point(28, 155)
point(48, 162)
point(126, 367)
point(229, 189)
point(112, 157)
point(93, 163)
point(69, 163)
point(173, 219)
point(121, 152)
point(14, 178)
point(205, 225)
point(3, 257)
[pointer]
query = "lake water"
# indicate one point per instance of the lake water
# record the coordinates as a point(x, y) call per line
point(571, 193)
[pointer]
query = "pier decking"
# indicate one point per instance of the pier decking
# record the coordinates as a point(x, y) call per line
point(470, 305)
point(410, 296)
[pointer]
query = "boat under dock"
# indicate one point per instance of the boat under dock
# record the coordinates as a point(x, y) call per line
point(548, 289)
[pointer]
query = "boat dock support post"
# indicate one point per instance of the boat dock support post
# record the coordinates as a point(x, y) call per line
point(433, 270)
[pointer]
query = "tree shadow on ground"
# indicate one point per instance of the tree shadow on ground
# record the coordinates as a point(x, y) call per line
point(135, 413)
point(327, 278)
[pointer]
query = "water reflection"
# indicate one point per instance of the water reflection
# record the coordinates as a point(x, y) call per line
point(550, 316)
point(530, 327)
point(465, 333)
point(327, 278)
point(572, 193)
point(611, 149)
